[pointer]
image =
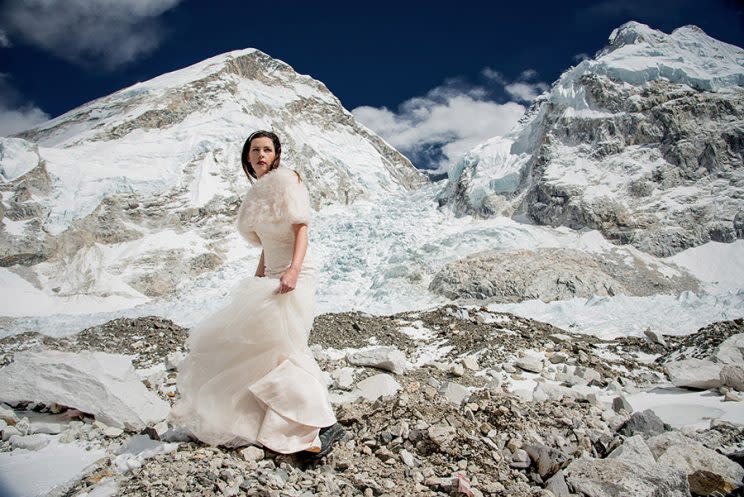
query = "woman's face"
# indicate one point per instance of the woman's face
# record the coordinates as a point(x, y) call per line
point(261, 155)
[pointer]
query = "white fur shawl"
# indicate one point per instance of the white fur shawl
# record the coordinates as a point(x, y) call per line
point(276, 197)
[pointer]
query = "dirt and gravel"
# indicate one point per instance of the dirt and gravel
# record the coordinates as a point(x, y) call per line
point(417, 441)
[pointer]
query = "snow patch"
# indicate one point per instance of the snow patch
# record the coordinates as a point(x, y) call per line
point(51, 469)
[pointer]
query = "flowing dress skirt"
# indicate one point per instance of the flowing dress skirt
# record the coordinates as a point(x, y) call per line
point(250, 377)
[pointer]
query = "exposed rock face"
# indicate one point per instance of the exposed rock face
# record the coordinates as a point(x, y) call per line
point(553, 274)
point(135, 192)
point(650, 152)
point(23, 179)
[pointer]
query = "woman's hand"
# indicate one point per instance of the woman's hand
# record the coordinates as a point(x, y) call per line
point(288, 280)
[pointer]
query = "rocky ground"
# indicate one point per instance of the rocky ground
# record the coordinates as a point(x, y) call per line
point(452, 401)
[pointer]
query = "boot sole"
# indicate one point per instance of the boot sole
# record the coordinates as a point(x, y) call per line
point(336, 435)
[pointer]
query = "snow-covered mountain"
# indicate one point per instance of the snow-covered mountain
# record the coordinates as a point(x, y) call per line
point(129, 195)
point(644, 142)
point(125, 207)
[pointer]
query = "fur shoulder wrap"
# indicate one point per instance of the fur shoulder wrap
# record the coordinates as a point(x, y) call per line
point(277, 197)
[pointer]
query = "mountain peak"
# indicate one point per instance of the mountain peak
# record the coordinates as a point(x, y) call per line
point(633, 32)
point(170, 98)
point(637, 54)
point(638, 143)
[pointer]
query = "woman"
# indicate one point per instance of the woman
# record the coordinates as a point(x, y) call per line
point(250, 376)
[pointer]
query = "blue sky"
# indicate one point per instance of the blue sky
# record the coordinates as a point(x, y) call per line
point(472, 65)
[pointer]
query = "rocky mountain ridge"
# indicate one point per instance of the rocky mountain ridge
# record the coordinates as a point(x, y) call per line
point(644, 142)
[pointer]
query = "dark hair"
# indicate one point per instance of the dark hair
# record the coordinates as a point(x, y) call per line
point(247, 167)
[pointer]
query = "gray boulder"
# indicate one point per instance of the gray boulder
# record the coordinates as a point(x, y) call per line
point(660, 443)
point(655, 337)
point(693, 457)
point(699, 374)
point(11, 431)
point(379, 385)
point(620, 404)
point(454, 392)
point(704, 482)
point(252, 453)
point(633, 449)
point(630, 472)
point(588, 374)
point(8, 415)
point(550, 391)
point(547, 460)
point(520, 459)
point(471, 362)
point(731, 350)
point(441, 434)
point(530, 363)
point(104, 385)
point(645, 423)
point(387, 358)
point(707, 470)
point(732, 375)
point(557, 485)
point(343, 378)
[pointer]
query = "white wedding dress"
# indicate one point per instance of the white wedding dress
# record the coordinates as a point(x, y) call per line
point(249, 376)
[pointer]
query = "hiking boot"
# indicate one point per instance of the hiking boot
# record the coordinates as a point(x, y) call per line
point(328, 436)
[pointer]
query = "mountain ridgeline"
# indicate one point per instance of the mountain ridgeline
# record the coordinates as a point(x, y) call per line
point(159, 163)
point(131, 196)
point(644, 142)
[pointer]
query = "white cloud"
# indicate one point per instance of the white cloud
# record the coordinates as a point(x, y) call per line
point(107, 32)
point(526, 92)
point(493, 75)
point(4, 41)
point(523, 90)
point(14, 121)
point(437, 129)
point(16, 115)
point(580, 57)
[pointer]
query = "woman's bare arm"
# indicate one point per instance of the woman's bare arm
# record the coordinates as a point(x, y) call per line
point(261, 268)
point(288, 279)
